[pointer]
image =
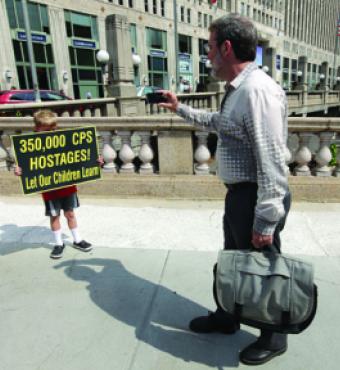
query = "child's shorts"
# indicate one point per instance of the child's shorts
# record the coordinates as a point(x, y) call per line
point(68, 203)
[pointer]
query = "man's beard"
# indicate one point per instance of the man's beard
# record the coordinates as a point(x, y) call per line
point(216, 66)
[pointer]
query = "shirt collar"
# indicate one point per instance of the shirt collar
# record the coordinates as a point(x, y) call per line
point(236, 82)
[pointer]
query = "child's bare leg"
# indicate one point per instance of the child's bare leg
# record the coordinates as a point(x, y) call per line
point(73, 226)
point(56, 228)
point(71, 219)
point(55, 223)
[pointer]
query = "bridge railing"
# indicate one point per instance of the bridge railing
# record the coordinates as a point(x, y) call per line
point(299, 102)
point(166, 145)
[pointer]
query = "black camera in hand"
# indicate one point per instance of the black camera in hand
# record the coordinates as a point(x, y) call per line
point(155, 98)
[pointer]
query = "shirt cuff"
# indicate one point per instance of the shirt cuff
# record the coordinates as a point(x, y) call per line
point(182, 110)
point(264, 227)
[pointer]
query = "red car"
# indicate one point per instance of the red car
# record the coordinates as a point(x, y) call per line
point(27, 96)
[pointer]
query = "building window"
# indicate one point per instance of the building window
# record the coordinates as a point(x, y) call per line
point(163, 8)
point(156, 39)
point(205, 20)
point(146, 6)
point(130, 4)
point(242, 9)
point(182, 13)
point(285, 74)
point(199, 19)
point(133, 39)
point(185, 63)
point(42, 47)
point(120, 2)
point(189, 15)
point(37, 14)
point(157, 59)
point(81, 25)
point(203, 70)
point(86, 71)
point(154, 6)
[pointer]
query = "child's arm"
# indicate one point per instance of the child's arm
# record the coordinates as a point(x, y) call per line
point(17, 170)
point(100, 161)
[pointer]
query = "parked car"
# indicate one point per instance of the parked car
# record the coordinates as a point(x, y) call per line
point(143, 90)
point(15, 96)
point(27, 96)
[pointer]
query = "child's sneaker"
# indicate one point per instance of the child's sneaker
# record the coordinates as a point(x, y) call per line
point(57, 251)
point(83, 246)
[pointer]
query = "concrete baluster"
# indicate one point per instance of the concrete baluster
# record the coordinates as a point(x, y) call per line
point(324, 155)
point(65, 114)
point(87, 113)
point(109, 154)
point(202, 154)
point(76, 113)
point(303, 155)
point(145, 154)
point(126, 154)
point(97, 112)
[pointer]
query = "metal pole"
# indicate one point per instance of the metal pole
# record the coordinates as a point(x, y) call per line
point(176, 44)
point(30, 51)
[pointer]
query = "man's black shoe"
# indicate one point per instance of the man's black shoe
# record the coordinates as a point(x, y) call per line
point(213, 323)
point(83, 246)
point(254, 354)
point(57, 251)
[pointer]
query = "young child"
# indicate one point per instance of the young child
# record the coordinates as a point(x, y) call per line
point(65, 199)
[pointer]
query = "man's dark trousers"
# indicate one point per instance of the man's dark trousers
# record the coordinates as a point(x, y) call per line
point(240, 203)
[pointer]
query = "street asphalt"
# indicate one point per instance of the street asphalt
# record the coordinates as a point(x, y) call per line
point(126, 304)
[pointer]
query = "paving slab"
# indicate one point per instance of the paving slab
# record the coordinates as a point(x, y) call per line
point(126, 304)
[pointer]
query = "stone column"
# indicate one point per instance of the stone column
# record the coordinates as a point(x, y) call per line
point(60, 50)
point(175, 152)
point(302, 80)
point(120, 66)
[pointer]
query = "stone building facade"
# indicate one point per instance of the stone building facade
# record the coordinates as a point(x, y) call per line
point(297, 43)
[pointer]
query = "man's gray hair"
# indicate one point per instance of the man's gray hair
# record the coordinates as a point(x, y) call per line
point(240, 31)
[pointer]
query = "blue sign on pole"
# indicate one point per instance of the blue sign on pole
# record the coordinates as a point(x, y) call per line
point(184, 56)
point(157, 53)
point(35, 37)
point(278, 62)
point(84, 44)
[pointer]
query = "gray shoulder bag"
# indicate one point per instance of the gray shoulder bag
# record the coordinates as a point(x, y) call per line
point(266, 290)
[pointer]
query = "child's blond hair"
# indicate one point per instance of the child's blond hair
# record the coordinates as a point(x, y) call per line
point(45, 117)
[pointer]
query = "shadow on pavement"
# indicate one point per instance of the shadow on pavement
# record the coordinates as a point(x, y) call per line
point(159, 315)
point(15, 238)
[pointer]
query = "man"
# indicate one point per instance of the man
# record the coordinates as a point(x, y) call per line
point(252, 132)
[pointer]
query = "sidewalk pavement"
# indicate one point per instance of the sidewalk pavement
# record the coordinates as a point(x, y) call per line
point(126, 304)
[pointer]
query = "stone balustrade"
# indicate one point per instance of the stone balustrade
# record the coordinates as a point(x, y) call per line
point(299, 103)
point(166, 145)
